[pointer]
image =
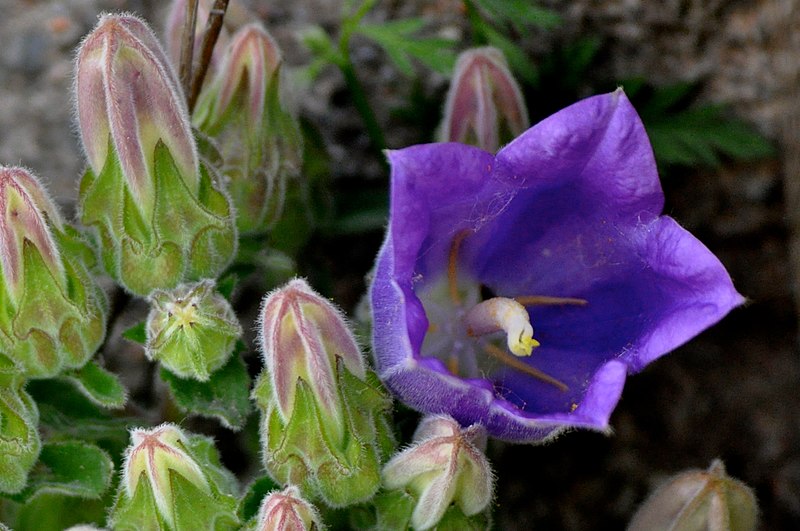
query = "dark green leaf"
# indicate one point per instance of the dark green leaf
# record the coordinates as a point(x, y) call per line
point(98, 385)
point(251, 501)
point(226, 396)
point(70, 468)
point(136, 333)
point(65, 413)
point(401, 45)
point(519, 13)
point(227, 284)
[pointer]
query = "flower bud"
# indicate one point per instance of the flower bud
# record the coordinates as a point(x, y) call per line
point(444, 467)
point(324, 425)
point(699, 500)
point(287, 511)
point(191, 330)
point(55, 311)
point(259, 138)
point(484, 105)
point(172, 480)
point(19, 434)
point(159, 212)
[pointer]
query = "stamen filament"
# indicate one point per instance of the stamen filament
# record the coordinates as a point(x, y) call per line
point(452, 266)
point(544, 300)
point(504, 357)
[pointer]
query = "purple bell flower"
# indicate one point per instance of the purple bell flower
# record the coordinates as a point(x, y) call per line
point(559, 232)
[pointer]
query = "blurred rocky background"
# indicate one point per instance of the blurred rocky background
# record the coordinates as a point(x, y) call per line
point(733, 393)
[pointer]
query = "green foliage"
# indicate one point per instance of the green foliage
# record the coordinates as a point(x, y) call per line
point(225, 396)
point(684, 134)
point(254, 495)
point(98, 385)
point(401, 42)
point(70, 468)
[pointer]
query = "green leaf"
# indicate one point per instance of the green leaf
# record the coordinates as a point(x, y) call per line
point(55, 512)
point(520, 13)
point(98, 385)
point(401, 45)
point(137, 333)
point(70, 468)
point(66, 413)
point(251, 501)
point(226, 396)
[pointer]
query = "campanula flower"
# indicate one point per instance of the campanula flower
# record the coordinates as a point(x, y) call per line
point(518, 290)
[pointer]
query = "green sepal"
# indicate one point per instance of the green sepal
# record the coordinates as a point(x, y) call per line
point(304, 451)
point(392, 509)
point(225, 396)
point(19, 436)
point(98, 385)
point(69, 468)
point(193, 508)
point(58, 321)
point(187, 236)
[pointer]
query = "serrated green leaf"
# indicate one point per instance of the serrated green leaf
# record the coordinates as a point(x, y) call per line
point(700, 136)
point(70, 468)
point(98, 385)
point(251, 501)
point(519, 13)
point(137, 333)
point(225, 396)
point(398, 41)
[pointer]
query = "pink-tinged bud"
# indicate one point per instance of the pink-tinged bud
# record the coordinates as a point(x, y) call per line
point(26, 212)
point(172, 479)
point(445, 465)
point(251, 62)
point(128, 100)
point(484, 105)
point(699, 499)
point(288, 511)
point(302, 335)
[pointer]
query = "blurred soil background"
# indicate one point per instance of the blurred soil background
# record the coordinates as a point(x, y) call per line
point(733, 393)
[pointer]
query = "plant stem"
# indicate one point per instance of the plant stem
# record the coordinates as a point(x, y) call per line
point(213, 27)
point(187, 45)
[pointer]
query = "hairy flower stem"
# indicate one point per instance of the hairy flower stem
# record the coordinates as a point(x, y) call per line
point(187, 46)
point(213, 27)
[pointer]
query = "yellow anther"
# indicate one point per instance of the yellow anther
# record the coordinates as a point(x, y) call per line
point(501, 313)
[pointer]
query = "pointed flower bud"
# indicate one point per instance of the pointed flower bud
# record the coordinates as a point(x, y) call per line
point(55, 311)
point(324, 425)
point(699, 499)
point(160, 215)
point(444, 467)
point(173, 480)
point(287, 511)
point(19, 434)
point(191, 330)
point(259, 138)
point(484, 105)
